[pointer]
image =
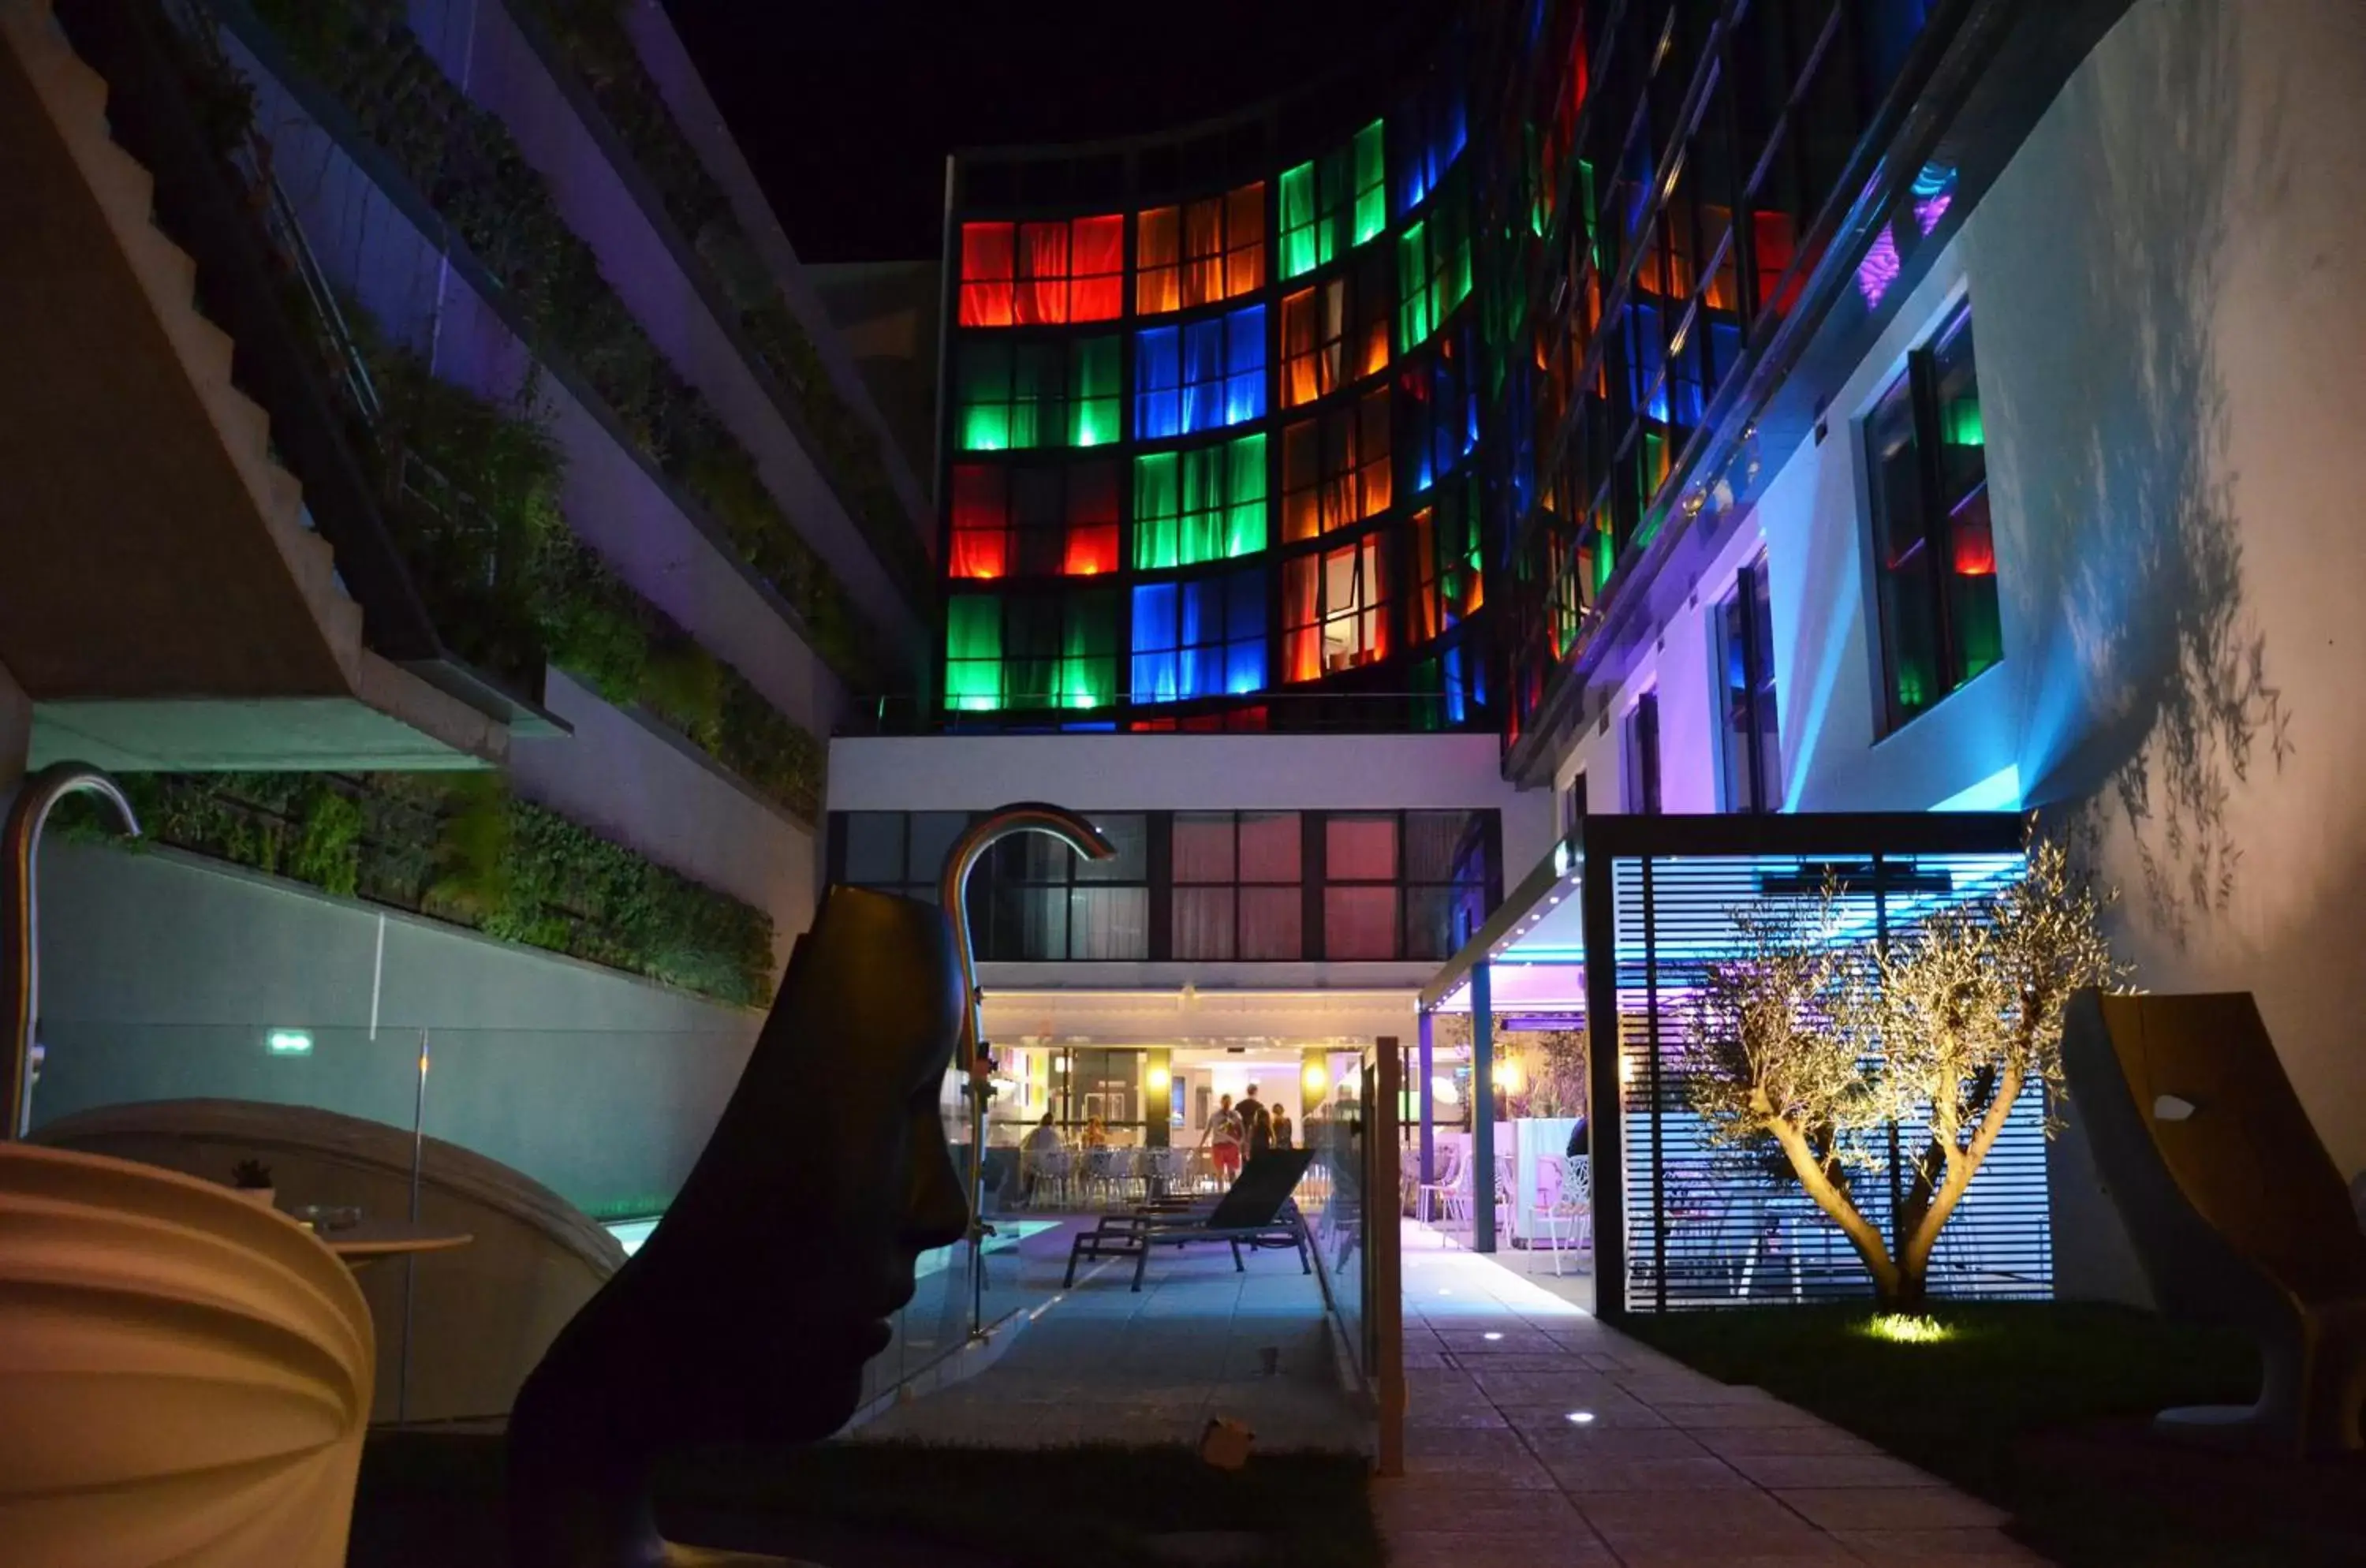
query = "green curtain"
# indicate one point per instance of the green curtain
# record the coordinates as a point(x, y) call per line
point(1299, 253)
point(1156, 503)
point(984, 396)
point(1093, 395)
point(1415, 321)
point(1088, 661)
point(1245, 497)
point(1371, 182)
point(973, 652)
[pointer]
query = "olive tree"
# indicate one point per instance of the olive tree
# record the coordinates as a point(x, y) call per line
point(1819, 1043)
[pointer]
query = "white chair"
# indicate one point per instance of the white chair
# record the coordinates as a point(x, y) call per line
point(1443, 1189)
point(1570, 1202)
point(1053, 1169)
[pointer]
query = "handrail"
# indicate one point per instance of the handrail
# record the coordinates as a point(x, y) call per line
point(20, 907)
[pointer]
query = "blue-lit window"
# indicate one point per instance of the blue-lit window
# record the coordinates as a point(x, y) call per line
point(1440, 404)
point(1426, 137)
point(1203, 637)
point(1647, 360)
point(1201, 376)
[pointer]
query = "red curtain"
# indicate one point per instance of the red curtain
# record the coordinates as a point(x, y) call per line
point(1157, 238)
point(981, 543)
point(1098, 249)
point(1092, 521)
point(1043, 275)
point(985, 274)
point(1774, 233)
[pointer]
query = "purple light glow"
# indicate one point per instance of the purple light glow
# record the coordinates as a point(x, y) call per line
point(1878, 270)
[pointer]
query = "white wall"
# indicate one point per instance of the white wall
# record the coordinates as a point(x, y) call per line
point(1194, 773)
point(2169, 302)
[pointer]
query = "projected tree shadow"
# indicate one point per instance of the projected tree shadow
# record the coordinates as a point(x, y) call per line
point(2129, 498)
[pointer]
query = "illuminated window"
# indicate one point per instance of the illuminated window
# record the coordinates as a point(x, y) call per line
point(1433, 272)
point(1237, 892)
point(1334, 203)
point(1018, 395)
point(1933, 545)
point(1202, 637)
point(1334, 468)
point(1447, 563)
point(1334, 332)
point(1201, 376)
point(1750, 743)
point(1205, 504)
point(1043, 274)
point(1334, 611)
point(1202, 253)
point(1036, 650)
point(1428, 136)
point(1034, 521)
point(1441, 408)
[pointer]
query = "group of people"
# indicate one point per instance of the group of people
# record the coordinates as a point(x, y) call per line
point(1249, 1128)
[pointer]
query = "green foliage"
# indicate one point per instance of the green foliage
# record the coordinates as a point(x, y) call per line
point(459, 847)
point(591, 36)
point(463, 161)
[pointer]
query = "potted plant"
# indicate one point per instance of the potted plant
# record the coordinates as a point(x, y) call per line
point(253, 1180)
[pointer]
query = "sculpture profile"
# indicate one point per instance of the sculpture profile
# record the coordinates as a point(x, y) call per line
point(748, 1315)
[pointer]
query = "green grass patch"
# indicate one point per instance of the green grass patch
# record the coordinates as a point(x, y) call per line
point(1985, 1396)
point(438, 1498)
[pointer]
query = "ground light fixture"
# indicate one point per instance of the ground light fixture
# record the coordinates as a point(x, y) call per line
point(1492, 1334)
point(1581, 1417)
point(1900, 1328)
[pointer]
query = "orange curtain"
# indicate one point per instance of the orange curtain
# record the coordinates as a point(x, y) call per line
point(1302, 618)
point(1375, 486)
point(1300, 379)
point(1244, 240)
point(1301, 481)
point(1097, 250)
point(1203, 252)
point(985, 274)
point(1157, 238)
point(1043, 275)
point(1428, 616)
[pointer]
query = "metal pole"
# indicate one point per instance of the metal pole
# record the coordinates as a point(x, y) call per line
point(1428, 1107)
point(1482, 1108)
point(411, 1263)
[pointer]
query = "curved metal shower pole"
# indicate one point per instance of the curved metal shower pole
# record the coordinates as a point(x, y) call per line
point(953, 894)
point(21, 919)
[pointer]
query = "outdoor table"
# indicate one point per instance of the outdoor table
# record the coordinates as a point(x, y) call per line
point(366, 1243)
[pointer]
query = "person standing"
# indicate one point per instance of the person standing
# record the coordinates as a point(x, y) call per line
point(1257, 1124)
point(1222, 1140)
point(1283, 1133)
point(1044, 1139)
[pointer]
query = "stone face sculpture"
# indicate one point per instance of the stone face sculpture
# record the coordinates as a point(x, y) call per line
point(2236, 1211)
point(749, 1313)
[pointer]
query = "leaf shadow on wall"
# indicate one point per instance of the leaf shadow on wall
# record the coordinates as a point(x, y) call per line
point(2152, 668)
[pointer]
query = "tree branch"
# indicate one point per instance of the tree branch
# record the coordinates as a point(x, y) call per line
point(1832, 1200)
point(1960, 1168)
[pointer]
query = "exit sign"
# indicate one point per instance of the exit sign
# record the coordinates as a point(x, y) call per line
point(288, 1043)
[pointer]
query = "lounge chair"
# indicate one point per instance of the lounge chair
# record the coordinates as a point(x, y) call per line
point(1255, 1213)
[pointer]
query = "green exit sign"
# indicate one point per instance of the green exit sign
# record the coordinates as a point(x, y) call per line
point(288, 1043)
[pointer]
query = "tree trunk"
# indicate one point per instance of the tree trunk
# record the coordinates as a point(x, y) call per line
point(1914, 1259)
point(1843, 1210)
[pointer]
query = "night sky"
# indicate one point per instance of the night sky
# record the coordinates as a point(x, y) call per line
point(846, 109)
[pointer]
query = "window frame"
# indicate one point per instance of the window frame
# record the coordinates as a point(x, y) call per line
point(1640, 755)
point(1089, 544)
point(1751, 750)
point(1169, 358)
point(1350, 482)
point(1369, 608)
point(1223, 237)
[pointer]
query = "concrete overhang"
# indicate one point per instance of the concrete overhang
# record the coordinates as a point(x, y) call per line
point(164, 601)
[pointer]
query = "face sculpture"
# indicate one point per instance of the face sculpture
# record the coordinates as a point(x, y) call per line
point(749, 1315)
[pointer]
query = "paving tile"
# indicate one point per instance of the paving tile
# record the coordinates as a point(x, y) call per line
point(1938, 1548)
point(1892, 1507)
point(1426, 1360)
point(1540, 1388)
point(1584, 1473)
point(1453, 1415)
point(1497, 1441)
point(1782, 1471)
point(1476, 1472)
point(1564, 1548)
point(1758, 1412)
point(1819, 1438)
point(1513, 1512)
point(1522, 1361)
point(1725, 1513)
point(1555, 1417)
point(1573, 1444)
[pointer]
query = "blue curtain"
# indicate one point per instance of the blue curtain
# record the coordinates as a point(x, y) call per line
point(1154, 643)
point(1157, 380)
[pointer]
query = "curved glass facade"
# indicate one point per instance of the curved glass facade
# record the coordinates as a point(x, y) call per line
point(1273, 447)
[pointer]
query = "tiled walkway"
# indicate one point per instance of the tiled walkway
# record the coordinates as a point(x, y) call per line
point(1538, 1437)
point(1102, 1364)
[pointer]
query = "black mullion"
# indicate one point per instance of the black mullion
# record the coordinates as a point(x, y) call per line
point(1313, 874)
point(1158, 867)
point(1921, 368)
